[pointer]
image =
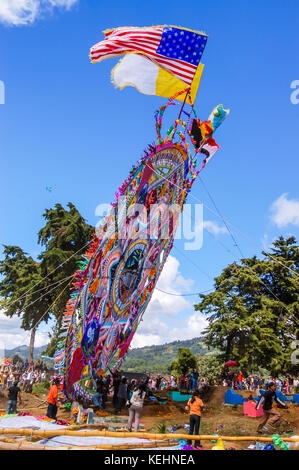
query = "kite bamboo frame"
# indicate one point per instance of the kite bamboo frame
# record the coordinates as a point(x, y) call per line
point(143, 435)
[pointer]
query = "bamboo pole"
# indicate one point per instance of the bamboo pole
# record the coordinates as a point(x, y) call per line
point(143, 435)
point(7, 444)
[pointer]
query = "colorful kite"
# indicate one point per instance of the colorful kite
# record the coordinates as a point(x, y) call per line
point(118, 274)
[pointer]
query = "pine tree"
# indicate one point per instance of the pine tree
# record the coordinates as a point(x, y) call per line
point(22, 290)
point(35, 290)
point(254, 310)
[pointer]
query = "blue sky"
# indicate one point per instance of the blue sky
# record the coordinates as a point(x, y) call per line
point(64, 126)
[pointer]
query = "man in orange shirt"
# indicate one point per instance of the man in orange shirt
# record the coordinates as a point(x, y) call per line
point(195, 404)
point(52, 399)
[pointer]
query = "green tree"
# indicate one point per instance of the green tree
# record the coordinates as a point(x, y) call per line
point(253, 312)
point(35, 290)
point(19, 296)
point(209, 367)
point(64, 237)
point(184, 362)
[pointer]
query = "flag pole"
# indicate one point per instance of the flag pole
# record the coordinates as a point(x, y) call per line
point(187, 92)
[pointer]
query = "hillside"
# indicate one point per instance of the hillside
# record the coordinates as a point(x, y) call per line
point(156, 359)
point(22, 352)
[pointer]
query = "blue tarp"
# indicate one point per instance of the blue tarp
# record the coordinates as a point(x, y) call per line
point(232, 398)
point(283, 397)
point(178, 396)
point(296, 397)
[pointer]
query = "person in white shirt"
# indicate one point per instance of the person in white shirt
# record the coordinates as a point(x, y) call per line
point(136, 405)
point(10, 380)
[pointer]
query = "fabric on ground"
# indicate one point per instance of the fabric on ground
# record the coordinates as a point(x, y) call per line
point(26, 422)
point(18, 422)
point(90, 441)
point(157, 449)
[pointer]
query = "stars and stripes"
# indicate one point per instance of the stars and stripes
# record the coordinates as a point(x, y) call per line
point(175, 49)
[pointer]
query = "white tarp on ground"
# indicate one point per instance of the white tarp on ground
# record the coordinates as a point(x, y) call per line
point(16, 422)
point(90, 441)
point(30, 422)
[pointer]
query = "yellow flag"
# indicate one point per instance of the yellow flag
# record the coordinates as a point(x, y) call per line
point(149, 78)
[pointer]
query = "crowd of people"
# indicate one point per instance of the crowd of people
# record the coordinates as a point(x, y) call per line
point(120, 388)
point(188, 382)
point(24, 374)
point(238, 381)
point(130, 394)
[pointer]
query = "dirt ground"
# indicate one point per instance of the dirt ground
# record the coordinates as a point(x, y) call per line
point(217, 418)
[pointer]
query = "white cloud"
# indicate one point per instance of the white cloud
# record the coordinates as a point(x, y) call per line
point(12, 335)
point(170, 281)
point(24, 12)
point(155, 328)
point(285, 211)
point(154, 331)
point(211, 226)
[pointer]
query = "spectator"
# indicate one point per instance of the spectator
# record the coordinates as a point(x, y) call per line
point(52, 399)
point(115, 385)
point(240, 380)
point(13, 394)
point(97, 397)
point(106, 383)
point(136, 405)
point(122, 395)
point(255, 383)
point(195, 405)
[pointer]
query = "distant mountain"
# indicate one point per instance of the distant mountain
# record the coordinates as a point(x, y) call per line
point(156, 359)
point(22, 352)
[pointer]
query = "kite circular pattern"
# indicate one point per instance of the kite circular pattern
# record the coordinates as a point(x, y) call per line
point(119, 272)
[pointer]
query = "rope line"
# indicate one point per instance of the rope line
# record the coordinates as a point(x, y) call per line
point(59, 266)
point(183, 295)
point(218, 216)
point(39, 290)
point(48, 309)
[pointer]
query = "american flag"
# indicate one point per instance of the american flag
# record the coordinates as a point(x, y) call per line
point(175, 49)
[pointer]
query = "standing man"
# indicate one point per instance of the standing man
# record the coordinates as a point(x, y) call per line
point(52, 399)
point(195, 379)
point(98, 396)
point(291, 383)
point(192, 379)
point(255, 383)
point(122, 395)
point(13, 394)
point(195, 405)
point(266, 401)
point(240, 380)
point(116, 382)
